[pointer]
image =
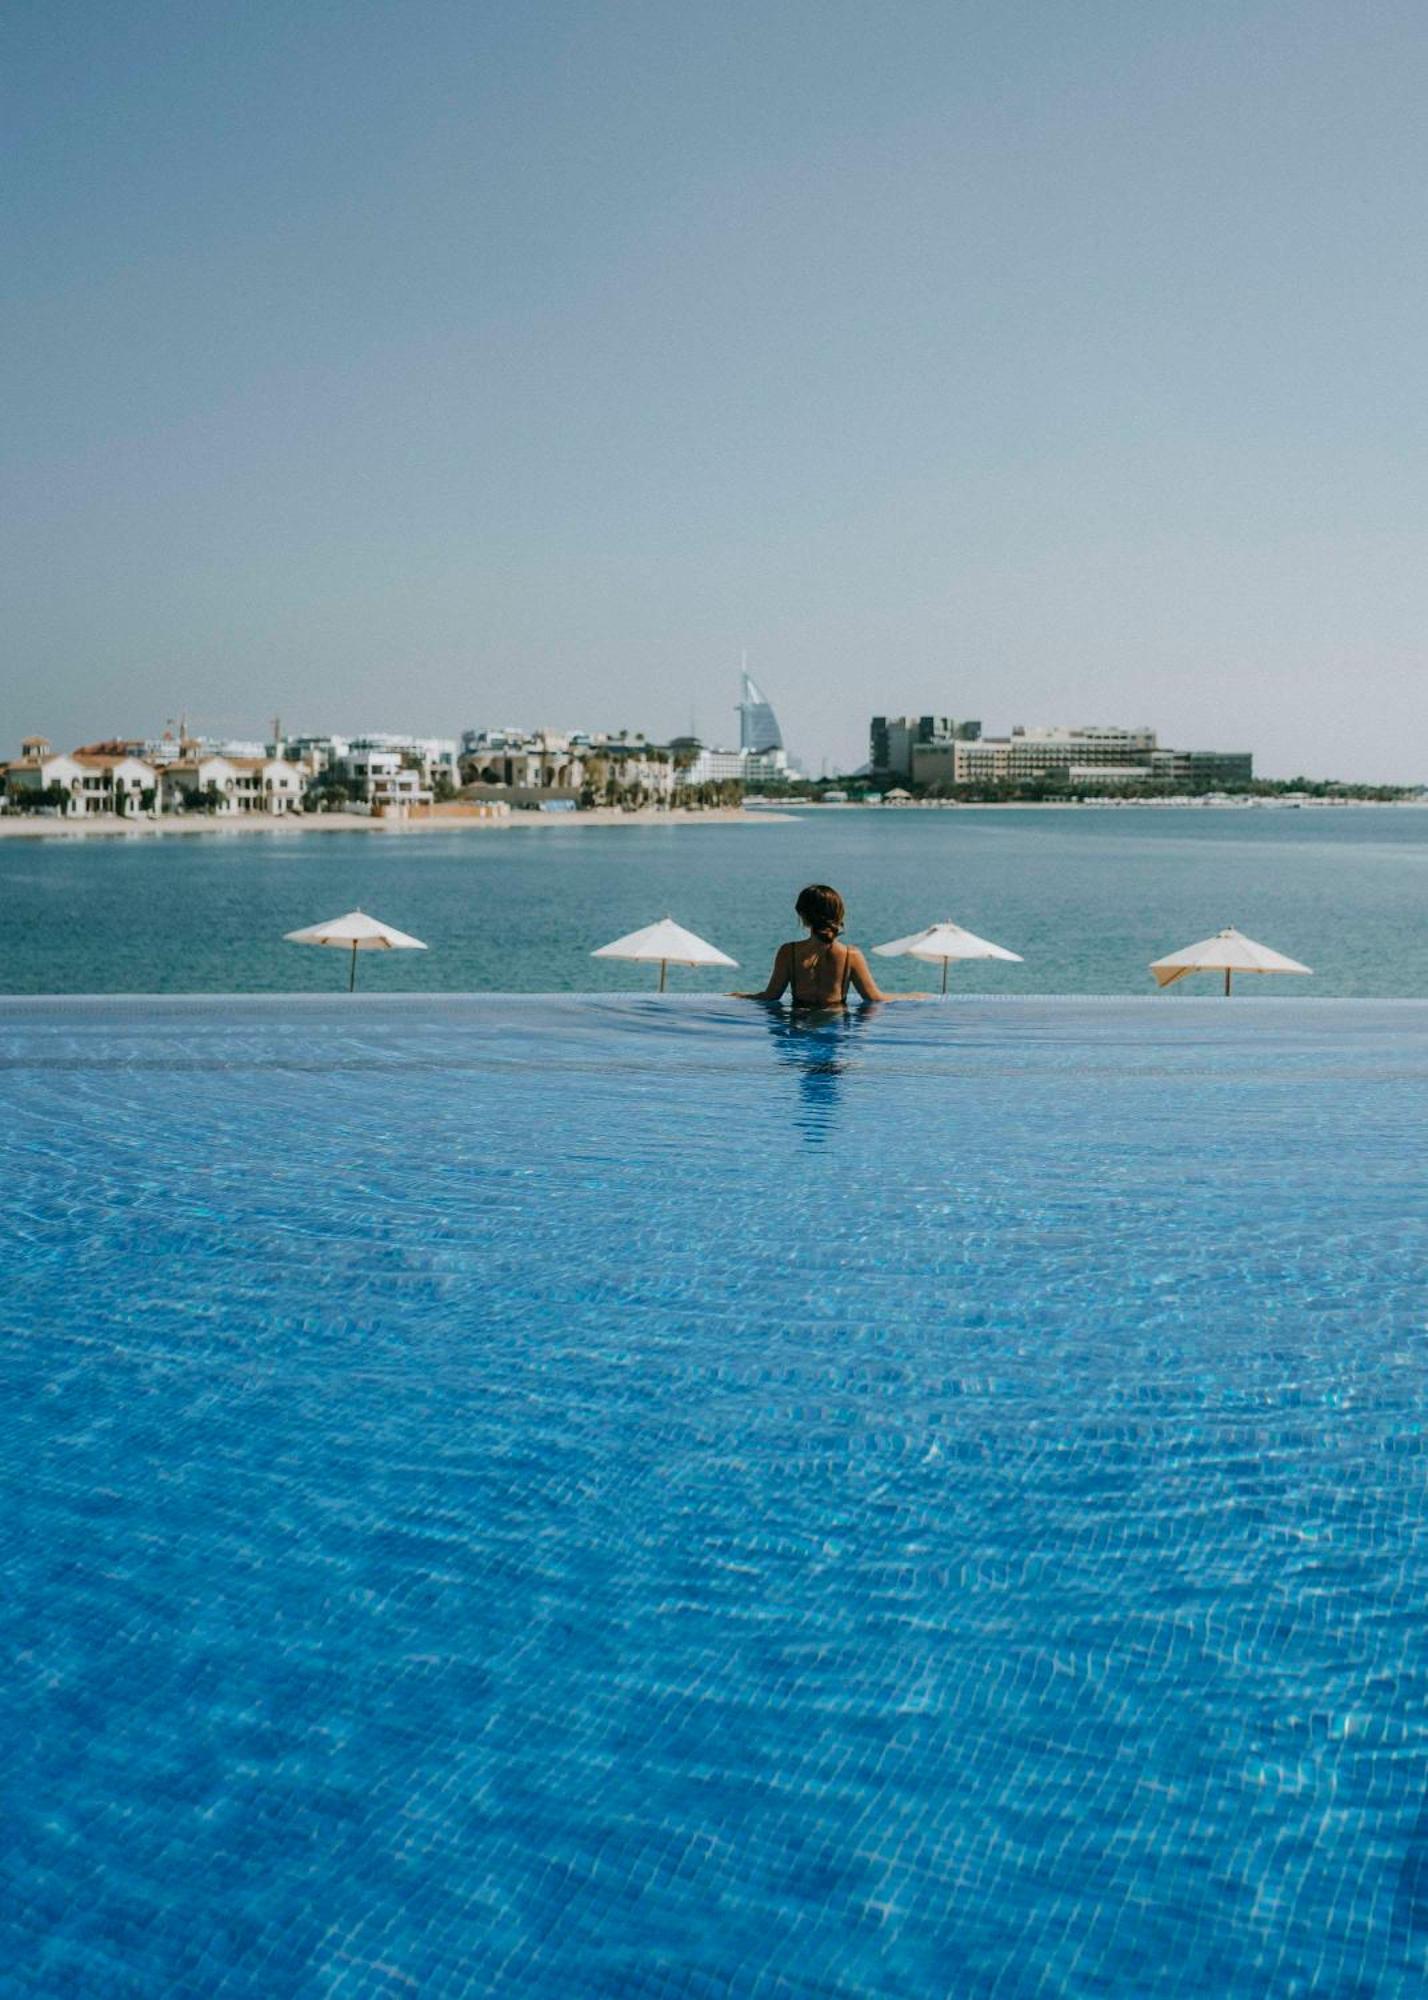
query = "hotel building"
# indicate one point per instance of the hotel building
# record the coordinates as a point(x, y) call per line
point(942, 755)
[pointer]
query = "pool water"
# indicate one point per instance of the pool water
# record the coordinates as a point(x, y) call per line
point(654, 1498)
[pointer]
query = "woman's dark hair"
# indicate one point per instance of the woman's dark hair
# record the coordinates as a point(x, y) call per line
point(821, 908)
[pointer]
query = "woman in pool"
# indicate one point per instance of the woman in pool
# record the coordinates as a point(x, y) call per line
point(817, 971)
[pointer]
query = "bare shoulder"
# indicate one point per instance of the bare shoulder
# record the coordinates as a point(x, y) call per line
point(861, 975)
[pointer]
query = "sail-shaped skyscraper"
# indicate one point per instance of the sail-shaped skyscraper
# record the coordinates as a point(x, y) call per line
point(758, 725)
point(760, 759)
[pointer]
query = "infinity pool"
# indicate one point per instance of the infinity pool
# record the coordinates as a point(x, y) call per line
point(644, 1498)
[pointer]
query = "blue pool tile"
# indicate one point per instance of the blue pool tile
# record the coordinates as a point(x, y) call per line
point(635, 1498)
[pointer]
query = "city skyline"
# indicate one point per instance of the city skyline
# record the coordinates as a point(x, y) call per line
point(1045, 363)
point(759, 732)
point(932, 750)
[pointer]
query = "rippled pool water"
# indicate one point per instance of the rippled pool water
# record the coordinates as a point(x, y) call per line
point(642, 1498)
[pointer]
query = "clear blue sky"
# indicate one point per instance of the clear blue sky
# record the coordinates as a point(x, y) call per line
point(437, 364)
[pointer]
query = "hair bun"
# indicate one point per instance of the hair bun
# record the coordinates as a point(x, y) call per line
point(821, 908)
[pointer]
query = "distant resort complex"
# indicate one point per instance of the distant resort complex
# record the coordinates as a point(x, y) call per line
point(936, 753)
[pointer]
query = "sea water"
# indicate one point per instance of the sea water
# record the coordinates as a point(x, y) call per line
point(1087, 897)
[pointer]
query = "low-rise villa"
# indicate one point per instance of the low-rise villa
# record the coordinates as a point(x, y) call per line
point(101, 778)
point(109, 777)
point(232, 784)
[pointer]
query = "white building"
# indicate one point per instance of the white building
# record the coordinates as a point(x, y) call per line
point(186, 784)
point(280, 785)
point(117, 782)
point(714, 767)
point(101, 778)
point(750, 768)
point(231, 785)
point(383, 778)
point(1038, 753)
point(109, 778)
point(433, 757)
point(37, 768)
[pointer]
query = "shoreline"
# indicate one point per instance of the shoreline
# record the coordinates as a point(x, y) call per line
point(184, 826)
point(1093, 805)
point(176, 826)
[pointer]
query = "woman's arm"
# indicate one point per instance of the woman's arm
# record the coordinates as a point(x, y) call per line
point(860, 973)
point(861, 976)
point(778, 979)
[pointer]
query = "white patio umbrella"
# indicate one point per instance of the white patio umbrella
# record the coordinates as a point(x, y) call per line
point(945, 941)
point(355, 932)
point(667, 942)
point(1229, 951)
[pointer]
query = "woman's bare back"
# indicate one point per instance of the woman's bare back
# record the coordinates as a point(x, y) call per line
point(819, 972)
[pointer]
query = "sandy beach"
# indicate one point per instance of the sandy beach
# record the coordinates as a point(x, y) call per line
point(107, 826)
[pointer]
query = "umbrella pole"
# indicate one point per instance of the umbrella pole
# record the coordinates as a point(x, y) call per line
point(352, 975)
point(944, 975)
point(1228, 976)
point(663, 967)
